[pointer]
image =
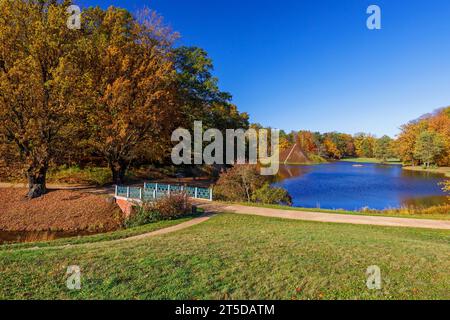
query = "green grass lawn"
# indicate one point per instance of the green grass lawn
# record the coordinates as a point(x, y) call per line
point(241, 257)
point(433, 216)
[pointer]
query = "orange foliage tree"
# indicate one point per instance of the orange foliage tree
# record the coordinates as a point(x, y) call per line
point(36, 100)
point(307, 142)
point(332, 149)
point(437, 123)
point(130, 104)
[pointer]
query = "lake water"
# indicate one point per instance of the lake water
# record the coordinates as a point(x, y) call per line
point(352, 186)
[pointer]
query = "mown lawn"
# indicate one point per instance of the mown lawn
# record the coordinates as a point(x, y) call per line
point(241, 257)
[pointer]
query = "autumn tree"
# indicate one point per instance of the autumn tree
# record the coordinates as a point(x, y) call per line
point(364, 145)
point(332, 149)
point(384, 149)
point(130, 88)
point(307, 142)
point(428, 147)
point(438, 123)
point(407, 140)
point(36, 100)
point(284, 140)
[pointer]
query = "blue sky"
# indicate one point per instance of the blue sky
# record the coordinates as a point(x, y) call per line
point(313, 64)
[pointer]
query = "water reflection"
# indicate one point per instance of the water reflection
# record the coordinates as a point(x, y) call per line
point(352, 186)
point(288, 172)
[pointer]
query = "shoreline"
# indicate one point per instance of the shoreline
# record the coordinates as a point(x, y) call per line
point(441, 170)
point(372, 161)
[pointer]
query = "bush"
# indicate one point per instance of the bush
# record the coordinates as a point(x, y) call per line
point(167, 208)
point(244, 183)
point(316, 159)
point(239, 183)
point(272, 195)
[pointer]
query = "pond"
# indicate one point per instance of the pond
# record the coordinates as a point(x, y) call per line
point(353, 186)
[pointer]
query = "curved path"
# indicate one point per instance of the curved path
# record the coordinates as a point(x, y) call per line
point(159, 232)
point(174, 228)
point(327, 217)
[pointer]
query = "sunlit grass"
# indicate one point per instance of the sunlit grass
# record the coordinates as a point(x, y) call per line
point(241, 257)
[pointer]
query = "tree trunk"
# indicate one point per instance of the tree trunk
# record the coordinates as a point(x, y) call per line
point(37, 181)
point(118, 170)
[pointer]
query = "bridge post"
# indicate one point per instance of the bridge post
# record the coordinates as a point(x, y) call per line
point(116, 190)
point(140, 194)
point(210, 194)
point(128, 192)
point(196, 193)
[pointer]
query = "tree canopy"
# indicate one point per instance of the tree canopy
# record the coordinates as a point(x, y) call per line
point(426, 140)
point(113, 90)
point(36, 100)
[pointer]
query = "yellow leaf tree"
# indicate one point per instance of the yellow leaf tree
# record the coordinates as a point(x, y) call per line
point(130, 95)
point(36, 102)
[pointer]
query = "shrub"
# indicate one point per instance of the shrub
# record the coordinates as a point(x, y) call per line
point(173, 206)
point(316, 159)
point(272, 195)
point(244, 183)
point(167, 208)
point(141, 216)
point(239, 183)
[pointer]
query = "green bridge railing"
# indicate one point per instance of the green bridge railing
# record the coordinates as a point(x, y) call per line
point(152, 191)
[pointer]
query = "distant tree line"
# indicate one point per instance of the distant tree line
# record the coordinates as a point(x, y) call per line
point(425, 141)
point(335, 145)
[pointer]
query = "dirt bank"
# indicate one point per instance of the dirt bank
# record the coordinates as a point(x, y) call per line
point(60, 210)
